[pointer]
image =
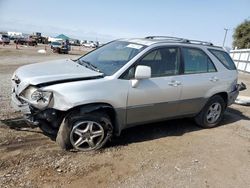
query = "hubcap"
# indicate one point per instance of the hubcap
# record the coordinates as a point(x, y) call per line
point(214, 113)
point(86, 135)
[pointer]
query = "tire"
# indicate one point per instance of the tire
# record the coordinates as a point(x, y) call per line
point(85, 132)
point(212, 113)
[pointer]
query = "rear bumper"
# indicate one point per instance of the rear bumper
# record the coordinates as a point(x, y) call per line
point(24, 109)
point(233, 95)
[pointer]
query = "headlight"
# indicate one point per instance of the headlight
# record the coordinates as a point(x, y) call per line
point(40, 99)
point(41, 95)
point(36, 97)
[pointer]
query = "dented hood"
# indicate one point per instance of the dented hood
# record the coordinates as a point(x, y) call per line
point(51, 72)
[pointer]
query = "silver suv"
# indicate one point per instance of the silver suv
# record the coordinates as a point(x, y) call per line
point(125, 83)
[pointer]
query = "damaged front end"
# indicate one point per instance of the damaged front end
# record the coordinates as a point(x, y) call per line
point(48, 120)
point(33, 103)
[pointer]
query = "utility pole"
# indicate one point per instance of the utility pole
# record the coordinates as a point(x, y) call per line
point(225, 36)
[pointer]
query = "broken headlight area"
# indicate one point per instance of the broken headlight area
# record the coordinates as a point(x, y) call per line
point(43, 96)
point(36, 97)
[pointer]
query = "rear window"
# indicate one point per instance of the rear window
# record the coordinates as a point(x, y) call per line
point(224, 58)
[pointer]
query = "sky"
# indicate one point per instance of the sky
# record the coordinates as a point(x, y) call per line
point(112, 19)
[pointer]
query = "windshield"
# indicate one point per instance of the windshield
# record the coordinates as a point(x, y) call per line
point(111, 57)
point(55, 43)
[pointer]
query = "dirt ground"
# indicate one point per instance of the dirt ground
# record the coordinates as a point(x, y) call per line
point(174, 153)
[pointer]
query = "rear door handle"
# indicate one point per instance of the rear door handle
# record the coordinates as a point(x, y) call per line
point(174, 83)
point(214, 79)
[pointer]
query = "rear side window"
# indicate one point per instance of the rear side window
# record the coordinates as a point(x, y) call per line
point(196, 61)
point(224, 58)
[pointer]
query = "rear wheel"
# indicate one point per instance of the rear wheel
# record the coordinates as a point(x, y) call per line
point(212, 113)
point(85, 132)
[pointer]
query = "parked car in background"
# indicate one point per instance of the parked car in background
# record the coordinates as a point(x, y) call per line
point(4, 39)
point(60, 47)
point(125, 83)
point(20, 40)
point(39, 38)
point(26, 41)
point(91, 44)
point(74, 42)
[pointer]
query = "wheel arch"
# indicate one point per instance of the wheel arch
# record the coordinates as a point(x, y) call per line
point(223, 95)
point(99, 107)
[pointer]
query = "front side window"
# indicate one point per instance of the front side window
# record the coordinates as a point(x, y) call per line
point(224, 58)
point(196, 61)
point(111, 57)
point(163, 61)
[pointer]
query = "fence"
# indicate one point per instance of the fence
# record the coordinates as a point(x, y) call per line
point(241, 59)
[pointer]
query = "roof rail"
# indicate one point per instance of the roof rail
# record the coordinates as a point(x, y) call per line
point(200, 42)
point(176, 39)
point(165, 37)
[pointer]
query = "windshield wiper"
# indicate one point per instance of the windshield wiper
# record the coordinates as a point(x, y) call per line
point(89, 65)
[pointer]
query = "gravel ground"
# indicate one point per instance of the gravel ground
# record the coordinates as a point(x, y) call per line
point(174, 153)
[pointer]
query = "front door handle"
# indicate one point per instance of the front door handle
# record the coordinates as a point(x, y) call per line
point(174, 83)
point(214, 79)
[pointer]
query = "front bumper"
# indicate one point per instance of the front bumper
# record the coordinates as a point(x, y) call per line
point(22, 107)
point(34, 117)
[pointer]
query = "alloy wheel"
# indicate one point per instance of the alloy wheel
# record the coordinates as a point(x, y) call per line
point(86, 135)
point(214, 112)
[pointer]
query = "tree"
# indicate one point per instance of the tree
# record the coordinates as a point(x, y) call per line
point(241, 35)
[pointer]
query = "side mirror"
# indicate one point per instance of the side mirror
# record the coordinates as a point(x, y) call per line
point(141, 72)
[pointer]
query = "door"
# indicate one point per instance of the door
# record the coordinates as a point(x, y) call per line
point(156, 98)
point(199, 77)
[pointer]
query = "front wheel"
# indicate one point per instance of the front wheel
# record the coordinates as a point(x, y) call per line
point(85, 132)
point(212, 113)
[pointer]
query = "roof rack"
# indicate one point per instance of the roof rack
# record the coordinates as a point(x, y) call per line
point(200, 42)
point(176, 39)
point(166, 38)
